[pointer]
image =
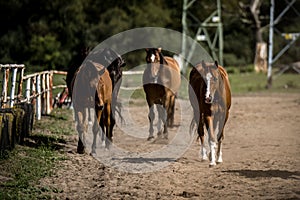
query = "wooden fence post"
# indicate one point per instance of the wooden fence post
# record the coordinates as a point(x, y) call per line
point(38, 98)
point(4, 87)
point(48, 94)
point(13, 87)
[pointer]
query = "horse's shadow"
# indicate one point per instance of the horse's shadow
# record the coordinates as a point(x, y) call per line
point(139, 160)
point(284, 174)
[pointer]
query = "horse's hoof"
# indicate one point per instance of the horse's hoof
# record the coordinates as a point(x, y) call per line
point(219, 161)
point(93, 154)
point(150, 138)
point(204, 159)
point(80, 150)
point(212, 164)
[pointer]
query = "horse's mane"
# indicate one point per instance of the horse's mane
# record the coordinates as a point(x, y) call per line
point(106, 57)
point(162, 59)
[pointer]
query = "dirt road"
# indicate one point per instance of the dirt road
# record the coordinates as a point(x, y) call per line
point(261, 156)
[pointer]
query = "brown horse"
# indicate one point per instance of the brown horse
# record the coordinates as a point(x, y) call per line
point(92, 87)
point(161, 81)
point(210, 97)
point(96, 66)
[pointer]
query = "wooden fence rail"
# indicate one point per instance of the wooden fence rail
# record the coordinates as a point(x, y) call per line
point(38, 89)
point(18, 106)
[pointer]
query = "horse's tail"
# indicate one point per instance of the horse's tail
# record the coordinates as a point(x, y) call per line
point(118, 111)
point(193, 124)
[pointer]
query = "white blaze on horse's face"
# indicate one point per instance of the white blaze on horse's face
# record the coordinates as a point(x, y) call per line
point(152, 57)
point(208, 97)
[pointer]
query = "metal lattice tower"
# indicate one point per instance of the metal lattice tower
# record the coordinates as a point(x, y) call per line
point(214, 42)
point(292, 37)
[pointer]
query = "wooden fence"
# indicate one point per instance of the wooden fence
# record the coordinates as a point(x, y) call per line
point(19, 106)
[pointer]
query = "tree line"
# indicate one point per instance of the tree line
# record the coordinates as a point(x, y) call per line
point(49, 34)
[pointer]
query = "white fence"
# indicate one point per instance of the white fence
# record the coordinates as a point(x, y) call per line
point(125, 85)
point(38, 89)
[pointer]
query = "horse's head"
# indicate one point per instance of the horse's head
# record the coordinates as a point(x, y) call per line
point(155, 59)
point(115, 66)
point(111, 60)
point(154, 55)
point(212, 77)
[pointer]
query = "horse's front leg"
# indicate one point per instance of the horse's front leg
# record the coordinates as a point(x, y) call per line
point(162, 121)
point(212, 140)
point(80, 117)
point(151, 117)
point(200, 131)
point(96, 129)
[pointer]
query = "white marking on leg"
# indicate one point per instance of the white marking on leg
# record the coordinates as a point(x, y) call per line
point(220, 159)
point(212, 146)
point(208, 77)
point(203, 152)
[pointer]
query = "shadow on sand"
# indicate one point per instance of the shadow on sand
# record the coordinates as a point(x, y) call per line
point(284, 174)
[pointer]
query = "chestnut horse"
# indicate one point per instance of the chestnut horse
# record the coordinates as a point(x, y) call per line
point(210, 96)
point(161, 82)
point(108, 63)
point(92, 87)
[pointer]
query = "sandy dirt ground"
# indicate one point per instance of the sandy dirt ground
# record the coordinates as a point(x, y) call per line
point(261, 155)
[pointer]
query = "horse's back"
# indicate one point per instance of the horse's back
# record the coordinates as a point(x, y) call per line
point(173, 79)
point(227, 88)
point(104, 89)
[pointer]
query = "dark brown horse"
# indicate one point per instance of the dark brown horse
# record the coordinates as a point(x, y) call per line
point(161, 82)
point(210, 97)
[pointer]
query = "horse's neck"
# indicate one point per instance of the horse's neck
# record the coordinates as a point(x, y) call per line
point(162, 60)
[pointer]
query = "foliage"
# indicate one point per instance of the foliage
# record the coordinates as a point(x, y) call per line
point(49, 34)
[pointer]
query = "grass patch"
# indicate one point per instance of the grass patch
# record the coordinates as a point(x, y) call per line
point(22, 168)
point(243, 80)
point(252, 82)
point(58, 123)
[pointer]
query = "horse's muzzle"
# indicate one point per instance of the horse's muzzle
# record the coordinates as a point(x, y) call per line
point(209, 100)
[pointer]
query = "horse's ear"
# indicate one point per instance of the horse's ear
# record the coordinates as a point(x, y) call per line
point(216, 63)
point(146, 49)
point(159, 49)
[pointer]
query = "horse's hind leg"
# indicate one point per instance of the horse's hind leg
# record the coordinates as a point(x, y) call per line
point(107, 124)
point(220, 139)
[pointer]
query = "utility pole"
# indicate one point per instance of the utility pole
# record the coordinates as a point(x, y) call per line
point(270, 56)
